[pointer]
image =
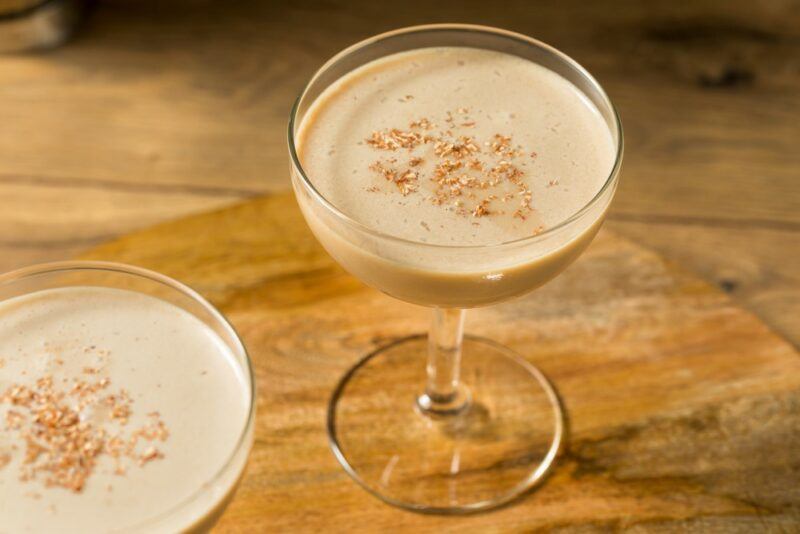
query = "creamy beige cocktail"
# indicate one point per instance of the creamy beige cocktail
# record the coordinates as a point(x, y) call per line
point(117, 407)
point(450, 148)
point(453, 166)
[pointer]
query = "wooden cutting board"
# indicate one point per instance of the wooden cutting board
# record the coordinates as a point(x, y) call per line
point(683, 409)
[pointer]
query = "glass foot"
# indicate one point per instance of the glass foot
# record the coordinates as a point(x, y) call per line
point(498, 445)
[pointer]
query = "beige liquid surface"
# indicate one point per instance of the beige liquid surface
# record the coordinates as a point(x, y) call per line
point(454, 147)
point(562, 145)
point(168, 362)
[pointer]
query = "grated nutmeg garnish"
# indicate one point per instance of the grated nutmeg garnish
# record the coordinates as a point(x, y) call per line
point(452, 170)
point(61, 447)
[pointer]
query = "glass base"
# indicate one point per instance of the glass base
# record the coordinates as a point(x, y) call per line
point(500, 444)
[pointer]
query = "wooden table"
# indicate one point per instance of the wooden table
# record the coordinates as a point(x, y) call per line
point(162, 109)
point(159, 109)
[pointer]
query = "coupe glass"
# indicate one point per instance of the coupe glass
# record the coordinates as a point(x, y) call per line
point(200, 510)
point(477, 425)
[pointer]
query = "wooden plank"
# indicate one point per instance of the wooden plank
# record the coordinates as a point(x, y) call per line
point(757, 266)
point(46, 223)
point(197, 92)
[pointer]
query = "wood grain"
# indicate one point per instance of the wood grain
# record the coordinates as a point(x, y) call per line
point(683, 409)
point(158, 109)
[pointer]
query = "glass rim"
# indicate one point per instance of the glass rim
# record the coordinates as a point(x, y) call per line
point(607, 184)
point(171, 283)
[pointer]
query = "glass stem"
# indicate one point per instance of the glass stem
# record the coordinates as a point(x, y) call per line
point(444, 393)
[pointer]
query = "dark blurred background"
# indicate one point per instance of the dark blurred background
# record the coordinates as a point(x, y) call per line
point(157, 109)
